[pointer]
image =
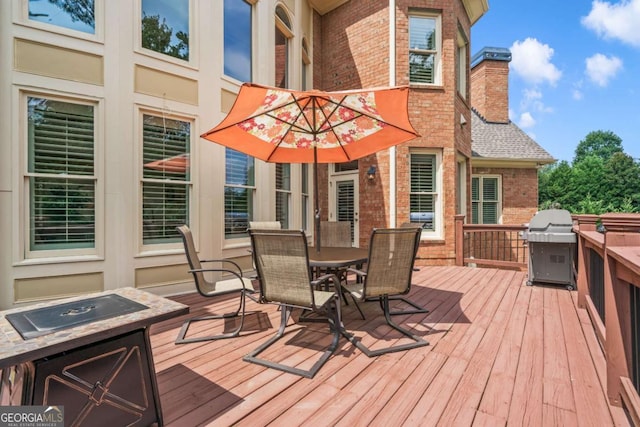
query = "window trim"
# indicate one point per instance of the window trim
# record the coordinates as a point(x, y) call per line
point(22, 208)
point(239, 241)
point(21, 15)
point(438, 232)
point(437, 72)
point(289, 196)
point(192, 62)
point(462, 44)
point(251, 4)
point(481, 199)
point(172, 247)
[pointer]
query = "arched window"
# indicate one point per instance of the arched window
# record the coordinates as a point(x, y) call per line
point(283, 35)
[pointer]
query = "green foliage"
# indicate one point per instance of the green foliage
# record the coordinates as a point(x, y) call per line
point(602, 178)
point(599, 143)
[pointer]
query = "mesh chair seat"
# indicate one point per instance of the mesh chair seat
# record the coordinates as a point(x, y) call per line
point(237, 284)
point(282, 263)
point(392, 254)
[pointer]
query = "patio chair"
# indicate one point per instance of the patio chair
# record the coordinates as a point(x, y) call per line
point(282, 263)
point(237, 284)
point(265, 225)
point(335, 234)
point(392, 253)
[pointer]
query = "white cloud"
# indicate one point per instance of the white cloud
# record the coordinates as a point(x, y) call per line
point(615, 21)
point(532, 99)
point(526, 120)
point(577, 94)
point(601, 69)
point(531, 60)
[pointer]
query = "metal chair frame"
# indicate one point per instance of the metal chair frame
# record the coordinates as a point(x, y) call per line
point(400, 284)
point(238, 284)
point(282, 263)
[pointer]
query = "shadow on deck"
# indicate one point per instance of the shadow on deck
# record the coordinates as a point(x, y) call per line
point(500, 353)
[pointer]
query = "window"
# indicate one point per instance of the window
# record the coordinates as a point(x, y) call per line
point(60, 177)
point(283, 34)
point(461, 64)
point(283, 193)
point(238, 193)
point(306, 60)
point(165, 27)
point(424, 55)
point(237, 40)
point(305, 195)
point(485, 200)
point(166, 180)
point(423, 193)
point(74, 15)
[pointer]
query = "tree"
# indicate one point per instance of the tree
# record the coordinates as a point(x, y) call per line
point(621, 181)
point(82, 11)
point(599, 143)
point(554, 183)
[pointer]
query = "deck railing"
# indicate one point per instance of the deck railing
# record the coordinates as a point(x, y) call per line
point(609, 289)
point(491, 245)
point(608, 282)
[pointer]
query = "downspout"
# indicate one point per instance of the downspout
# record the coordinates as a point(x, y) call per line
point(392, 82)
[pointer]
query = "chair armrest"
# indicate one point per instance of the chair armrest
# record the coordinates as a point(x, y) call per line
point(323, 279)
point(357, 272)
point(223, 261)
point(238, 276)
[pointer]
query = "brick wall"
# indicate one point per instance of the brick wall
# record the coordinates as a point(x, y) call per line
point(355, 51)
point(519, 193)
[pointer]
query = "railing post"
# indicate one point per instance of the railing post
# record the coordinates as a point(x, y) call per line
point(622, 230)
point(459, 221)
point(585, 223)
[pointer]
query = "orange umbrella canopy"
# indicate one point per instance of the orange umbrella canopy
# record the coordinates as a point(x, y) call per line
point(288, 126)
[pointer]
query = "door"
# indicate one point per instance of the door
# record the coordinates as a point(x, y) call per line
point(344, 203)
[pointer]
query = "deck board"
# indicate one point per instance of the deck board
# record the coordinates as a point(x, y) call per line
point(500, 353)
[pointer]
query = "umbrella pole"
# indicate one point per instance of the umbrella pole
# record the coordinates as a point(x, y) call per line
point(316, 217)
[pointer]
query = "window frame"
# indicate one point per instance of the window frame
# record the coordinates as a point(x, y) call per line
point(241, 238)
point(26, 254)
point(147, 248)
point(436, 52)
point(21, 15)
point(192, 62)
point(481, 200)
point(287, 32)
point(438, 232)
point(462, 61)
point(287, 193)
point(250, 4)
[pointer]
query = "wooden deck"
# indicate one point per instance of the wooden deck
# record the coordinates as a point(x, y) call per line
point(500, 353)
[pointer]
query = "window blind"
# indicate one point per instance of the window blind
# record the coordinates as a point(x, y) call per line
point(62, 184)
point(166, 174)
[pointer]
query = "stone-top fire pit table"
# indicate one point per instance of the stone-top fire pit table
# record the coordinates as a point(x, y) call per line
point(90, 354)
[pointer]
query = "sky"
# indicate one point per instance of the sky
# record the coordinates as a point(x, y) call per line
point(575, 68)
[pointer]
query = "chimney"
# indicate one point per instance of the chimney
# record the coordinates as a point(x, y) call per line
point(490, 84)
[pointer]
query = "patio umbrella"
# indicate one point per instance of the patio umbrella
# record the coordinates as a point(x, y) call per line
point(287, 126)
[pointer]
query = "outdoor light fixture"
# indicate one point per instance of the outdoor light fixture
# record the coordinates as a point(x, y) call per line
point(371, 172)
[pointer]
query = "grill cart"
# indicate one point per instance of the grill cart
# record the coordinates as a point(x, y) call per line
point(552, 248)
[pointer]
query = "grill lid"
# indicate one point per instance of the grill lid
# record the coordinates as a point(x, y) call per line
point(551, 221)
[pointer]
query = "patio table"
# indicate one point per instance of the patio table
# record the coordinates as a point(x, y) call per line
point(337, 257)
